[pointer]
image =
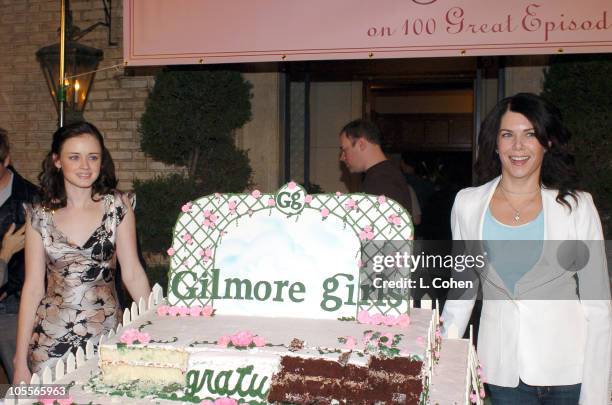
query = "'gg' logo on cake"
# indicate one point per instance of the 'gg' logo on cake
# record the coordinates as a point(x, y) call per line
point(291, 198)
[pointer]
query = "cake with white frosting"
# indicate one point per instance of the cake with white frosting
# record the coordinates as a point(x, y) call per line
point(270, 300)
point(264, 360)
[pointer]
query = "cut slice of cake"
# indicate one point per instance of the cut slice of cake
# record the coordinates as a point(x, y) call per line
point(264, 360)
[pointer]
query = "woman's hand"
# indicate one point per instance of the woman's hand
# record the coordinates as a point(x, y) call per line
point(21, 373)
point(12, 242)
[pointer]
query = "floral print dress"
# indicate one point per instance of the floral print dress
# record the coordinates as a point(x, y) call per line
point(80, 301)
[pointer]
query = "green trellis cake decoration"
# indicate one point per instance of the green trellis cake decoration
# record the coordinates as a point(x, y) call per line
point(285, 254)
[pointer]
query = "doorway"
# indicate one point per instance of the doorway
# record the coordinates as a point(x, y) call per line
point(428, 128)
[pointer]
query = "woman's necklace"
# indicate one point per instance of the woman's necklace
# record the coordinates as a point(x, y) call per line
point(517, 212)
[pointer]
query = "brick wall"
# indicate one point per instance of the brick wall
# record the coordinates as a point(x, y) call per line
point(27, 112)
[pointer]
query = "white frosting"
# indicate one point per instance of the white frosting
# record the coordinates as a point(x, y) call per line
point(447, 386)
point(197, 336)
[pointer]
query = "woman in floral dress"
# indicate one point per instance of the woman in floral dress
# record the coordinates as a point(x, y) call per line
point(73, 239)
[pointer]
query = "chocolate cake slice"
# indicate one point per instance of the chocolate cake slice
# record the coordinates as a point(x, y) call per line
point(319, 381)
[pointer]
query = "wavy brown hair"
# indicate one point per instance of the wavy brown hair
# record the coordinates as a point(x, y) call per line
point(558, 168)
point(52, 180)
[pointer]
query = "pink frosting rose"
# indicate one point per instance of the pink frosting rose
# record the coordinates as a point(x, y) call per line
point(232, 206)
point(350, 342)
point(350, 204)
point(403, 320)
point(186, 207)
point(223, 341)
point(207, 311)
point(195, 311)
point(382, 199)
point(162, 310)
point(170, 251)
point(363, 317)
point(256, 194)
point(183, 311)
point(292, 185)
point(324, 212)
point(129, 336)
point(144, 338)
point(394, 219)
point(205, 254)
point(242, 339)
point(207, 402)
point(259, 341)
point(308, 199)
point(173, 311)
point(377, 319)
point(366, 233)
point(390, 320)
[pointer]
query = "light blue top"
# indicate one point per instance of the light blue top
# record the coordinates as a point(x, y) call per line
point(512, 259)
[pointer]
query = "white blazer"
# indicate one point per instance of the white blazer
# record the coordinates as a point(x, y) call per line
point(542, 342)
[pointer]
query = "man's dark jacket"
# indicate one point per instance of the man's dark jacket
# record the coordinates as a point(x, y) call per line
point(12, 211)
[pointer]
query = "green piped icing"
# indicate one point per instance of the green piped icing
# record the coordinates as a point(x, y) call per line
point(219, 384)
point(172, 392)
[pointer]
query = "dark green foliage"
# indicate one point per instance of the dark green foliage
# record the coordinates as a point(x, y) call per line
point(224, 169)
point(312, 188)
point(158, 206)
point(158, 274)
point(189, 121)
point(581, 86)
point(190, 111)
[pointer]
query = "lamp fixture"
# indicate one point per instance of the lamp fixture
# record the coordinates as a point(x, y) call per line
point(77, 65)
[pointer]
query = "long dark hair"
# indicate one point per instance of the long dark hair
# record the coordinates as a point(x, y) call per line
point(558, 168)
point(52, 180)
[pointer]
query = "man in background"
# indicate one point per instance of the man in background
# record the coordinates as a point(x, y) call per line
point(361, 152)
point(14, 192)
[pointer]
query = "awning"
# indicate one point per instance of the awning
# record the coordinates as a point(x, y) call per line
point(163, 32)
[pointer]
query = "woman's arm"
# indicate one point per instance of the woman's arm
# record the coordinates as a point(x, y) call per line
point(458, 307)
point(132, 273)
point(31, 294)
point(595, 299)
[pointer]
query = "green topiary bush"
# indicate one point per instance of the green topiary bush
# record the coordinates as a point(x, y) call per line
point(158, 206)
point(189, 121)
point(581, 86)
point(158, 274)
point(225, 169)
point(190, 113)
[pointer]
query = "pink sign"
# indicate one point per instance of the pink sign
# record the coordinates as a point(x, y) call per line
point(162, 32)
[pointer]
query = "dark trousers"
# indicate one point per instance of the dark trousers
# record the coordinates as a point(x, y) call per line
point(525, 394)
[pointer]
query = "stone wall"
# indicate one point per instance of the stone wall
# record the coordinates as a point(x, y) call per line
point(115, 102)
